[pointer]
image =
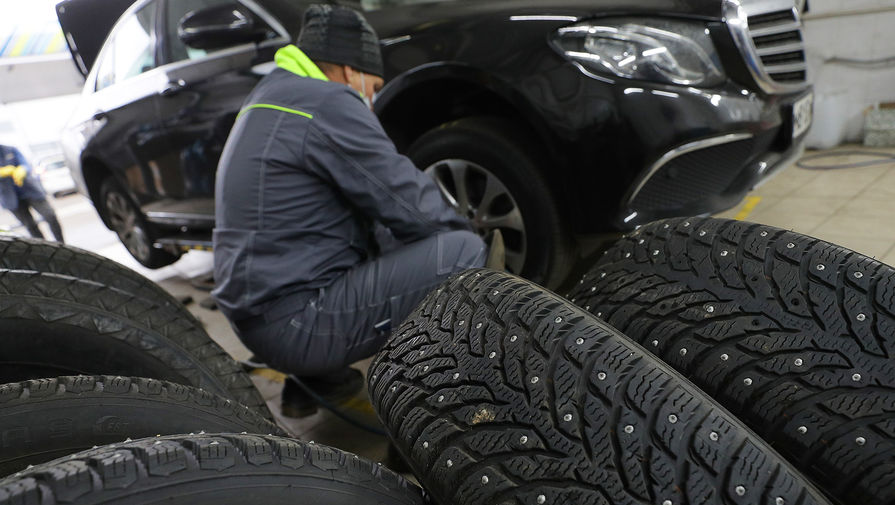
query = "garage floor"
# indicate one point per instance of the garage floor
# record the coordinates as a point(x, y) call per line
point(853, 207)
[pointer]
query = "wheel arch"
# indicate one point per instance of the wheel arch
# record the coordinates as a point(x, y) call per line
point(419, 101)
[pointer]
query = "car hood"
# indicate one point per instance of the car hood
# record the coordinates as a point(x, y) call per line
point(87, 23)
point(394, 22)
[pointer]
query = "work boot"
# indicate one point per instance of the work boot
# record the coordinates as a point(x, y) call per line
point(302, 399)
point(497, 254)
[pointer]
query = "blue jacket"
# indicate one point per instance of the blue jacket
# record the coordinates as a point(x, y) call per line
point(305, 172)
point(10, 194)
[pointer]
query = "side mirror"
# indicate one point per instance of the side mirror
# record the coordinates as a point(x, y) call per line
point(220, 26)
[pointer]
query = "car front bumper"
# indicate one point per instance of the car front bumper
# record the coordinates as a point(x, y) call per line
point(672, 151)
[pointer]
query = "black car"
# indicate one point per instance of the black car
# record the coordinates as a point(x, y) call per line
point(548, 119)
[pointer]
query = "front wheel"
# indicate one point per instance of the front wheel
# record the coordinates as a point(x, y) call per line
point(484, 171)
point(125, 219)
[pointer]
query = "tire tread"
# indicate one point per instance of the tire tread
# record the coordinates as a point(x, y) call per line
point(53, 415)
point(110, 472)
point(790, 314)
point(155, 328)
point(444, 397)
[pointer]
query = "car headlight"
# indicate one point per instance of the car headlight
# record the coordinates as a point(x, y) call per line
point(662, 50)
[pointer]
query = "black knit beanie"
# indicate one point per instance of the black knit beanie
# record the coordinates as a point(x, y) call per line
point(341, 35)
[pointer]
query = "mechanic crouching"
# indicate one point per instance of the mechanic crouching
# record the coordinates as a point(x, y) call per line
point(306, 176)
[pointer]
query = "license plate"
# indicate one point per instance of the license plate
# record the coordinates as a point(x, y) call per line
point(802, 114)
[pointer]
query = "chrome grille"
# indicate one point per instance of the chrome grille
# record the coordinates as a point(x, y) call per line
point(777, 37)
point(769, 35)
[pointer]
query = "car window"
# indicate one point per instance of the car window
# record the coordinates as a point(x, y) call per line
point(177, 51)
point(130, 50)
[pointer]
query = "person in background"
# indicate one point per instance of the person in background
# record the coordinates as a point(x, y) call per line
point(20, 191)
point(306, 179)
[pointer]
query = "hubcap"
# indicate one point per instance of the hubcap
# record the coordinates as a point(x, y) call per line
point(123, 218)
point(479, 195)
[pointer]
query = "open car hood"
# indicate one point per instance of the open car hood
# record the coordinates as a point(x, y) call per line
point(86, 24)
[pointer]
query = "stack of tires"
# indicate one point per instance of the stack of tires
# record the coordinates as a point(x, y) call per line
point(700, 361)
point(113, 392)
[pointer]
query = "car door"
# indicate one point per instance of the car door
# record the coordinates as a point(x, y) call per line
point(124, 89)
point(203, 93)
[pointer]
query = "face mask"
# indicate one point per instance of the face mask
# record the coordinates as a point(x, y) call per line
point(363, 87)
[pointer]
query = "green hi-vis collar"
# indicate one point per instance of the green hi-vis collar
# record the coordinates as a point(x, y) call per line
point(292, 59)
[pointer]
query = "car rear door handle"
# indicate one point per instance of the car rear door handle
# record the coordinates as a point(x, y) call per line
point(173, 88)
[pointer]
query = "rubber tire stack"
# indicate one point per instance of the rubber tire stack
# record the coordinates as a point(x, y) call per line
point(792, 334)
point(499, 392)
point(67, 311)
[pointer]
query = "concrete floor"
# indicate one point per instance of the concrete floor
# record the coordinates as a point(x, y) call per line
point(853, 207)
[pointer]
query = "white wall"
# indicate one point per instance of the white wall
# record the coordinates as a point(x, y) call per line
point(837, 33)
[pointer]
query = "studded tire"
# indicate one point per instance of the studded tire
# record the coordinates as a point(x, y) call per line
point(218, 469)
point(499, 392)
point(792, 334)
point(53, 324)
point(18, 253)
point(44, 419)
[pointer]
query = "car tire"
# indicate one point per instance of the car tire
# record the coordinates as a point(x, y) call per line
point(474, 153)
point(498, 391)
point(220, 469)
point(124, 218)
point(793, 334)
point(45, 419)
point(53, 324)
point(17, 253)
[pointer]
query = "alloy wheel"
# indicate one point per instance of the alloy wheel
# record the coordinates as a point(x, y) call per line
point(476, 193)
point(125, 222)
